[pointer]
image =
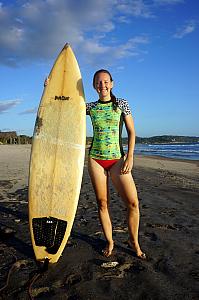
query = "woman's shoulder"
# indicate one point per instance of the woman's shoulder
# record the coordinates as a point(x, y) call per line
point(121, 101)
point(89, 106)
point(93, 103)
point(123, 105)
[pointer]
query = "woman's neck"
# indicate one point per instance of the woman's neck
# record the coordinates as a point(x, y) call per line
point(105, 99)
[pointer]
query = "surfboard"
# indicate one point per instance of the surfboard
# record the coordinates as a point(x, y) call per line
point(57, 158)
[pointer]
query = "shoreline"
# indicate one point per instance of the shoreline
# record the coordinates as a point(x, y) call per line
point(168, 194)
point(135, 154)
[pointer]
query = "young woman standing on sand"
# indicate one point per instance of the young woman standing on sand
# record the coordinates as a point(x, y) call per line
point(106, 158)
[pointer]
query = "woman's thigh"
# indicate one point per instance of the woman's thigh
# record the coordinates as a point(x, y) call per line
point(99, 178)
point(124, 183)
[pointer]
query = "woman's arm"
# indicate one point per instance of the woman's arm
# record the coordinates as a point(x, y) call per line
point(128, 164)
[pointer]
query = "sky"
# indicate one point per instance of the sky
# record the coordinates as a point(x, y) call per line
point(151, 48)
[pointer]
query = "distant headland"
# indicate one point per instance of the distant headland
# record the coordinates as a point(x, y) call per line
point(165, 139)
point(11, 137)
point(160, 139)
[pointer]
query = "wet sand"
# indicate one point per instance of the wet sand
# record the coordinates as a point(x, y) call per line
point(169, 205)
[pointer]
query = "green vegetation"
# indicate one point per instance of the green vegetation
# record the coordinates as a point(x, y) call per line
point(11, 137)
point(162, 139)
point(167, 139)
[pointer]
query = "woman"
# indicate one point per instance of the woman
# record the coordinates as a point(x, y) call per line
point(106, 158)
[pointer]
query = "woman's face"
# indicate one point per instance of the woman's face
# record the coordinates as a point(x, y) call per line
point(103, 85)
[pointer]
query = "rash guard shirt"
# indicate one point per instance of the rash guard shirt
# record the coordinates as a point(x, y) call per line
point(107, 128)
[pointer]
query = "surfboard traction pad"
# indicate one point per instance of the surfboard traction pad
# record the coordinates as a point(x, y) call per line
point(49, 232)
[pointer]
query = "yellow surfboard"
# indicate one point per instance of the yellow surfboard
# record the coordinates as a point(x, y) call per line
point(57, 158)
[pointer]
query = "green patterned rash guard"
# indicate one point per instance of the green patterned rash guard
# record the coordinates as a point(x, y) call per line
point(107, 128)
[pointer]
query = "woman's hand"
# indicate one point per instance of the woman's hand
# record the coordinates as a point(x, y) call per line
point(127, 166)
point(46, 82)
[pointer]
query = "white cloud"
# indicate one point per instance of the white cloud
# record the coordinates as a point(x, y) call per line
point(37, 30)
point(99, 54)
point(106, 27)
point(136, 8)
point(8, 104)
point(185, 30)
point(124, 19)
point(168, 2)
point(130, 48)
point(29, 111)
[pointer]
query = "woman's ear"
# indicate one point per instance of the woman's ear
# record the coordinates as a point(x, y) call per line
point(112, 84)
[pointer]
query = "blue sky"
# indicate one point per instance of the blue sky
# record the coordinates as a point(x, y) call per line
point(151, 48)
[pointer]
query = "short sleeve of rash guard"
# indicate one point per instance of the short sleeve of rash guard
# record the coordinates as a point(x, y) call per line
point(87, 109)
point(89, 106)
point(124, 106)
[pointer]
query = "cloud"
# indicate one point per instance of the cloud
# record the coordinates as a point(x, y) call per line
point(110, 54)
point(136, 8)
point(37, 30)
point(185, 30)
point(29, 111)
point(168, 2)
point(8, 104)
point(124, 19)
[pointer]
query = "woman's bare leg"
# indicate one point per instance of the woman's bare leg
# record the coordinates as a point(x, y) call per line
point(99, 178)
point(125, 185)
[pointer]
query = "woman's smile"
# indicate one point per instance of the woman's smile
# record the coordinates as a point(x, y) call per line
point(103, 86)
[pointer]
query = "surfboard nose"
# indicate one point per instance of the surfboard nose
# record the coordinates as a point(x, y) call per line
point(66, 46)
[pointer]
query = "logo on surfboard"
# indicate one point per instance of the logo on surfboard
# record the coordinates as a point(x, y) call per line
point(63, 98)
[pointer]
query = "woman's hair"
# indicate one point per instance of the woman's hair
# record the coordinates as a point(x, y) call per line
point(113, 98)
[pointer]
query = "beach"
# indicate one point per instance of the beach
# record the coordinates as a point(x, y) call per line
point(168, 192)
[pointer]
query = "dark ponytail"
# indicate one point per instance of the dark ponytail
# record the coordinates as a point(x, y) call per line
point(113, 98)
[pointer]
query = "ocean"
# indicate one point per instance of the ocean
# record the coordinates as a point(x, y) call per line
point(178, 151)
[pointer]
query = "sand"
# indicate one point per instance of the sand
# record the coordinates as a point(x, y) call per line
point(169, 204)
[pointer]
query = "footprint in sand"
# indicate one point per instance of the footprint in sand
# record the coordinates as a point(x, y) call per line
point(169, 212)
point(195, 274)
point(7, 184)
point(120, 230)
point(6, 232)
point(73, 279)
point(144, 206)
point(110, 264)
point(162, 265)
point(116, 271)
point(165, 226)
point(151, 235)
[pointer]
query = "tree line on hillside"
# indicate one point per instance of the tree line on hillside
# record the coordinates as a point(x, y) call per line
point(162, 139)
point(11, 137)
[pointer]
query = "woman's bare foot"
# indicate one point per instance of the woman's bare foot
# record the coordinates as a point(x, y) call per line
point(108, 250)
point(137, 249)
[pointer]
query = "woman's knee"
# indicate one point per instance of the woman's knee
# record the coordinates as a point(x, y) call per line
point(133, 205)
point(102, 204)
